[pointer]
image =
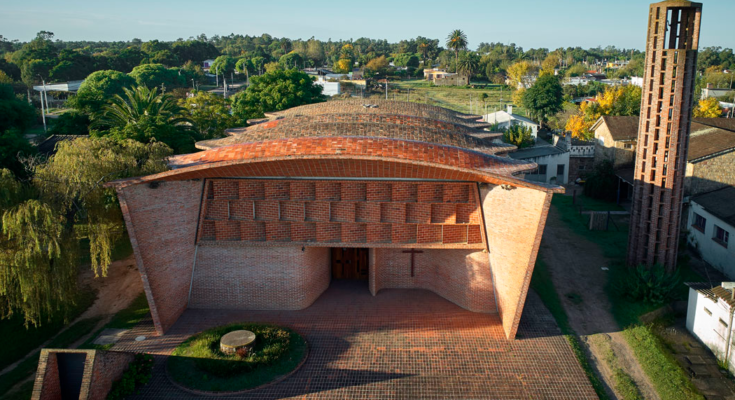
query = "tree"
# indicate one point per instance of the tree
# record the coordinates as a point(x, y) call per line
point(276, 91)
point(518, 72)
point(544, 98)
point(210, 114)
point(43, 222)
point(548, 66)
point(519, 136)
point(98, 88)
point(708, 108)
point(71, 123)
point(245, 66)
point(468, 64)
point(378, 65)
point(456, 41)
point(406, 60)
point(602, 183)
point(145, 115)
point(291, 60)
point(223, 65)
point(157, 76)
point(342, 66)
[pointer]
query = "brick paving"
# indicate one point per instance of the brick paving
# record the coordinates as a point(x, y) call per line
point(399, 344)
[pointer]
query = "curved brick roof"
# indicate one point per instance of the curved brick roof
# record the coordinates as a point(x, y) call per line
point(361, 125)
point(376, 106)
point(346, 157)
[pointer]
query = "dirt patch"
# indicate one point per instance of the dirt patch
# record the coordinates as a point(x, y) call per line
point(115, 291)
point(576, 270)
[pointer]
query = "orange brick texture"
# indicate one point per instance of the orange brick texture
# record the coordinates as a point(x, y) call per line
point(515, 221)
point(162, 224)
point(341, 213)
point(227, 276)
point(101, 369)
point(663, 133)
point(463, 277)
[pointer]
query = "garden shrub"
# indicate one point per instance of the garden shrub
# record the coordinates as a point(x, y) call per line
point(652, 285)
point(137, 375)
point(602, 184)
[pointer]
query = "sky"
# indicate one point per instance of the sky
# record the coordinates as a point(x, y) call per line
point(527, 23)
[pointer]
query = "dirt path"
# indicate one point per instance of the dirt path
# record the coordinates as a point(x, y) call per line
point(576, 270)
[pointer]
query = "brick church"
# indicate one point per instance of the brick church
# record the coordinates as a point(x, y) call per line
point(396, 194)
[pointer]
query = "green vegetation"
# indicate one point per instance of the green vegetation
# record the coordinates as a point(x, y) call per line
point(24, 340)
point(624, 384)
point(64, 340)
point(197, 363)
point(662, 369)
point(542, 284)
point(124, 319)
point(456, 98)
point(138, 374)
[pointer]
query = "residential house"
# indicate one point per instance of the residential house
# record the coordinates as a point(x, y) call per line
point(552, 161)
point(506, 119)
point(207, 64)
point(615, 140)
point(711, 223)
point(710, 318)
point(434, 73)
point(710, 91)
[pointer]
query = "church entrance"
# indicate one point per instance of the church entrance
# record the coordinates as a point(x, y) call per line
point(349, 263)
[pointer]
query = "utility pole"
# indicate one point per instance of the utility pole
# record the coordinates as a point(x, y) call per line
point(386, 87)
point(43, 113)
point(224, 81)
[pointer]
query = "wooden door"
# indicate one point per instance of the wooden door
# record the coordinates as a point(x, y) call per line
point(348, 263)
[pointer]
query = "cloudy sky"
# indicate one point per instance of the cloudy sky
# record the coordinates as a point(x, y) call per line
point(528, 23)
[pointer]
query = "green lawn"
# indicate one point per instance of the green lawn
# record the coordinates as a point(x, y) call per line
point(453, 97)
point(27, 339)
point(62, 341)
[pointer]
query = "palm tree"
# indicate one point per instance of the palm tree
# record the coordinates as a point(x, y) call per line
point(468, 65)
point(423, 48)
point(457, 40)
point(137, 104)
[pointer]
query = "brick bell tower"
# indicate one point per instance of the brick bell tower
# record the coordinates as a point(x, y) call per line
point(663, 132)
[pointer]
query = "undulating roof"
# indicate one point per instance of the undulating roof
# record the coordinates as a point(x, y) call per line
point(379, 106)
point(361, 124)
point(719, 203)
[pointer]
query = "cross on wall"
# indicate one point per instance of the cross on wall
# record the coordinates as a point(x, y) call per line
point(412, 251)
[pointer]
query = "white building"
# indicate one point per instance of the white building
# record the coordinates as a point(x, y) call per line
point(710, 91)
point(711, 223)
point(506, 119)
point(207, 64)
point(710, 318)
point(329, 88)
point(553, 163)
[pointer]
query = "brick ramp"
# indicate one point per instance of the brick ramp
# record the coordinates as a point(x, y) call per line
point(401, 343)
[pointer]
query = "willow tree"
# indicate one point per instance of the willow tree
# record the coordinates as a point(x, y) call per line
point(43, 222)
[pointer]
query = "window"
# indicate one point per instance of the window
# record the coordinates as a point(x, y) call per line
point(721, 236)
point(542, 169)
point(699, 222)
point(708, 311)
point(723, 323)
point(628, 146)
point(560, 169)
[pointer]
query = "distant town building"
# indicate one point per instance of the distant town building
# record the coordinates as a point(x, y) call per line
point(329, 88)
point(710, 91)
point(663, 134)
point(552, 161)
point(506, 119)
point(207, 64)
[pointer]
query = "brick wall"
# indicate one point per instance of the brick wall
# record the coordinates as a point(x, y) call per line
point(341, 213)
point(580, 167)
point(514, 222)
point(711, 174)
point(101, 369)
point(259, 278)
point(162, 225)
point(109, 367)
point(463, 277)
point(612, 150)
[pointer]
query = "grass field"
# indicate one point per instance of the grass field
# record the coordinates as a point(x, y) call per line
point(453, 97)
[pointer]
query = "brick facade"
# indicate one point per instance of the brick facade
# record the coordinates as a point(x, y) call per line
point(664, 132)
point(515, 221)
point(162, 223)
point(580, 167)
point(259, 278)
point(460, 276)
point(101, 370)
point(710, 174)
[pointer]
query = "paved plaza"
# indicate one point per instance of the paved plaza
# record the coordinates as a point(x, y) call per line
point(398, 344)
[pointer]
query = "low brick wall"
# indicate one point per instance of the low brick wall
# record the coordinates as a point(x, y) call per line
point(101, 370)
point(259, 278)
